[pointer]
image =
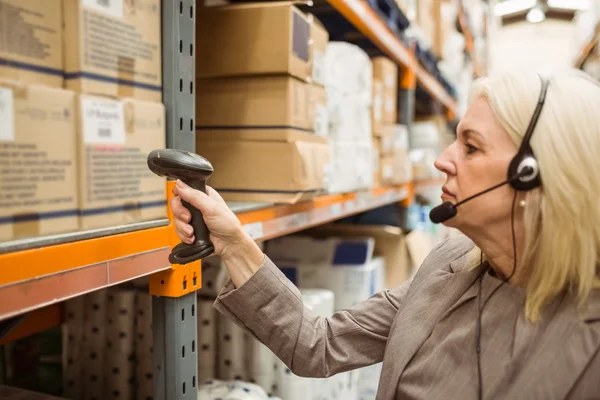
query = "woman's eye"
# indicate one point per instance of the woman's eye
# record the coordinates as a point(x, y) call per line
point(471, 149)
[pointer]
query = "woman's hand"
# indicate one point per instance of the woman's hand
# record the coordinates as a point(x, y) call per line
point(239, 252)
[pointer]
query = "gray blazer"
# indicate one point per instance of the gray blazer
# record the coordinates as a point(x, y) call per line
point(392, 325)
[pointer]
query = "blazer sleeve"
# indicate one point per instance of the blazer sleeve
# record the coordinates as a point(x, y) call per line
point(269, 307)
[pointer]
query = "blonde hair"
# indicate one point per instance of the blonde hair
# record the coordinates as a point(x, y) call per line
point(562, 217)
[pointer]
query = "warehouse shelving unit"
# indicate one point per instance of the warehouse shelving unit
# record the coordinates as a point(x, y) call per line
point(478, 69)
point(36, 274)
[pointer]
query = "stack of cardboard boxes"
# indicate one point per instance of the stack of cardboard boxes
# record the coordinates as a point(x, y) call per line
point(80, 92)
point(390, 140)
point(260, 101)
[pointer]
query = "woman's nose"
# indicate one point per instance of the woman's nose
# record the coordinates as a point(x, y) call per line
point(444, 163)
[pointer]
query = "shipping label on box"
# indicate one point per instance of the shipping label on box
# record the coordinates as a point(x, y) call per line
point(252, 39)
point(31, 41)
point(115, 137)
point(38, 192)
point(253, 102)
point(113, 48)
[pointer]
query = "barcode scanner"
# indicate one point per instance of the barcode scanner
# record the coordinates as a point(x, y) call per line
point(194, 171)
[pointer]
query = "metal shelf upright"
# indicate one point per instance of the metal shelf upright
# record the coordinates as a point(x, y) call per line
point(174, 290)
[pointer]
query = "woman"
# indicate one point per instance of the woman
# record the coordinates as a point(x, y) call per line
point(509, 310)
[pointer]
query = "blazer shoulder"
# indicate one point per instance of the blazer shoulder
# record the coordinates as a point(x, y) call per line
point(447, 252)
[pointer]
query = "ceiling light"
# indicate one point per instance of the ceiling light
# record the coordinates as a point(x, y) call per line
point(536, 14)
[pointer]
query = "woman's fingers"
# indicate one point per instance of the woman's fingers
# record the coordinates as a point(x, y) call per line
point(179, 211)
point(184, 231)
point(195, 197)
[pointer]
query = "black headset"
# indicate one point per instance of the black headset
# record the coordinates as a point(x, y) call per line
point(523, 171)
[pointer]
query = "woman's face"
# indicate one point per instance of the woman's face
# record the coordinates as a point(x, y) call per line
point(476, 161)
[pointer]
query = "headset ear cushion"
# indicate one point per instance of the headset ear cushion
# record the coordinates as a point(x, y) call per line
point(529, 181)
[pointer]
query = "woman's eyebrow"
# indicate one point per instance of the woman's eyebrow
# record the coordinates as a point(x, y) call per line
point(467, 133)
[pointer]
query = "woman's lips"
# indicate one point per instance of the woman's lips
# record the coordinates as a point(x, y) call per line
point(447, 195)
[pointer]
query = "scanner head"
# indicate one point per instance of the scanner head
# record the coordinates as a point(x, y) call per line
point(179, 164)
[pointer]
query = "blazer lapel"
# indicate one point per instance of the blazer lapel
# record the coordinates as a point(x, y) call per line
point(425, 305)
point(568, 344)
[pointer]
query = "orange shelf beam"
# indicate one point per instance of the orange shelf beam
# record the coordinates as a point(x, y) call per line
point(359, 14)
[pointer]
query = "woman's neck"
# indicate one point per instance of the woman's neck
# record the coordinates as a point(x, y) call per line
point(497, 245)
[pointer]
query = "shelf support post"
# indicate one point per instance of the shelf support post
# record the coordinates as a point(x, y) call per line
point(174, 304)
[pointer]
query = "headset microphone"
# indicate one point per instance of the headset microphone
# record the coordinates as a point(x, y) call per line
point(447, 210)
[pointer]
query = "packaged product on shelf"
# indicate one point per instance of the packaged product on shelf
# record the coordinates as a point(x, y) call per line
point(349, 119)
point(38, 183)
point(115, 136)
point(390, 243)
point(113, 48)
point(270, 165)
point(248, 39)
point(231, 352)
point(350, 271)
point(253, 102)
point(386, 71)
point(350, 168)
point(319, 37)
point(207, 339)
point(317, 110)
point(348, 72)
point(32, 41)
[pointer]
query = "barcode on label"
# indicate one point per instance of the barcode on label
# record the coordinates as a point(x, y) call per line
point(103, 3)
point(104, 133)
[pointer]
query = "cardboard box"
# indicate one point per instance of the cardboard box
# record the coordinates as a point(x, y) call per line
point(274, 165)
point(114, 139)
point(386, 71)
point(113, 48)
point(258, 101)
point(395, 169)
point(318, 112)
point(319, 38)
point(386, 141)
point(38, 184)
point(31, 47)
point(252, 39)
point(377, 107)
point(390, 244)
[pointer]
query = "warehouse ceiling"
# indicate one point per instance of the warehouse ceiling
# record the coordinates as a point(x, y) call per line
point(513, 11)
